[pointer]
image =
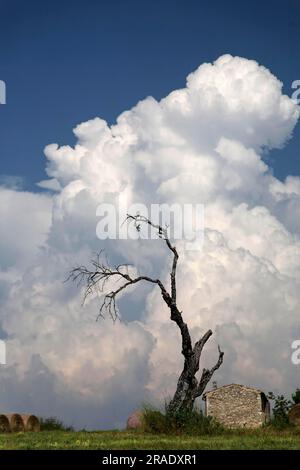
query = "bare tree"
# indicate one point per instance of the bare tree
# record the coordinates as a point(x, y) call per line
point(95, 279)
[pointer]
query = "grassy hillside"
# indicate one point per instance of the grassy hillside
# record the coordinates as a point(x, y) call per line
point(112, 440)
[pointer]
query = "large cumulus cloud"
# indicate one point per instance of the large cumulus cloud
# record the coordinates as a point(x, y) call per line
point(201, 144)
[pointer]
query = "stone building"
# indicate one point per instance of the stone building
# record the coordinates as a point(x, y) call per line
point(237, 406)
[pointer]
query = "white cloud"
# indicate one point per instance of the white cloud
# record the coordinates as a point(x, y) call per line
point(25, 222)
point(11, 181)
point(200, 144)
point(52, 184)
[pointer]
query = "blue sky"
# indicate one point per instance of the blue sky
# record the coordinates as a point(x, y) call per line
point(65, 62)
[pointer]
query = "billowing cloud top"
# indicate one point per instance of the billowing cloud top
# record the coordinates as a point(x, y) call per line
point(201, 144)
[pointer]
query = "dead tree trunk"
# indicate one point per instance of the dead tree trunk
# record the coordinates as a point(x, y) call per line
point(188, 386)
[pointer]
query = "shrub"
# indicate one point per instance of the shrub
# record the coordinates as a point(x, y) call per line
point(154, 421)
point(296, 396)
point(192, 422)
point(282, 405)
point(54, 424)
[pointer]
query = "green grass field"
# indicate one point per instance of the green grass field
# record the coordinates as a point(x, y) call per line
point(113, 440)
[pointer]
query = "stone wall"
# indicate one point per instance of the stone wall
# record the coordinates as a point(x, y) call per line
point(236, 406)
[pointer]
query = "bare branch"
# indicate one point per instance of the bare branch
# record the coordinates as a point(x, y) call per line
point(176, 315)
point(198, 348)
point(208, 373)
point(162, 233)
point(96, 278)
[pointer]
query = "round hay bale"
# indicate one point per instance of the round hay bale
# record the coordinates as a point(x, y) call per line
point(135, 420)
point(4, 424)
point(294, 415)
point(31, 423)
point(16, 422)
